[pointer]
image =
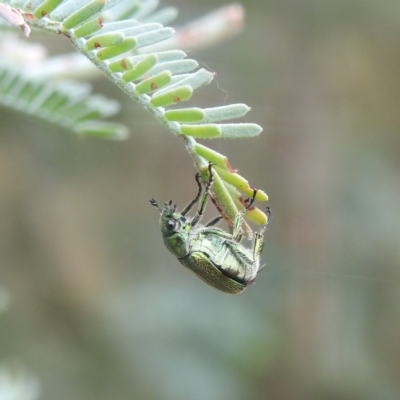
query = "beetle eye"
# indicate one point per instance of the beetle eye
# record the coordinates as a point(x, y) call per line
point(171, 225)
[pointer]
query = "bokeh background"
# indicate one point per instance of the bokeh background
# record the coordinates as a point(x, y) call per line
point(98, 309)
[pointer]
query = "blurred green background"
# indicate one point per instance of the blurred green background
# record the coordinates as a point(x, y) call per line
point(98, 307)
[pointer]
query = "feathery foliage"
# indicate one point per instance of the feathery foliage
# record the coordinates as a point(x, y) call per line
point(109, 34)
point(68, 104)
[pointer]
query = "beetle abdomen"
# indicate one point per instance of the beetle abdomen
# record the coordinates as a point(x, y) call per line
point(206, 270)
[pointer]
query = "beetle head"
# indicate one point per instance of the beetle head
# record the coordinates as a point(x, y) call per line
point(171, 221)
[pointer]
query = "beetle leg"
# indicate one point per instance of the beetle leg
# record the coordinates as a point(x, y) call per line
point(264, 228)
point(258, 244)
point(203, 199)
point(259, 238)
point(269, 216)
point(196, 199)
point(239, 217)
point(214, 221)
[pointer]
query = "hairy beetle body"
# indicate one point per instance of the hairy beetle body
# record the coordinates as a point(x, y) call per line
point(220, 262)
point(214, 255)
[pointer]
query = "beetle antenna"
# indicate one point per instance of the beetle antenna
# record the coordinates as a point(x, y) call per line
point(154, 203)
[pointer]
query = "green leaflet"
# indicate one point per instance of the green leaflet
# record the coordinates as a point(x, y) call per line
point(88, 28)
point(46, 8)
point(114, 51)
point(153, 83)
point(220, 130)
point(157, 80)
point(240, 183)
point(83, 14)
point(104, 40)
point(172, 97)
point(185, 115)
point(140, 68)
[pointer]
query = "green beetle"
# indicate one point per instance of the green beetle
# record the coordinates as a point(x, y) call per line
point(214, 255)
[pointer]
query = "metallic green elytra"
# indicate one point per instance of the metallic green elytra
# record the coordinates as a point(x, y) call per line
point(215, 256)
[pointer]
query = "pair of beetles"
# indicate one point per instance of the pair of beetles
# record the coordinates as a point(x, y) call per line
point(215, 256)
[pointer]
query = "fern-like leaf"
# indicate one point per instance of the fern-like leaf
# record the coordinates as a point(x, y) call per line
point(67, 104)
point(156, 80)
